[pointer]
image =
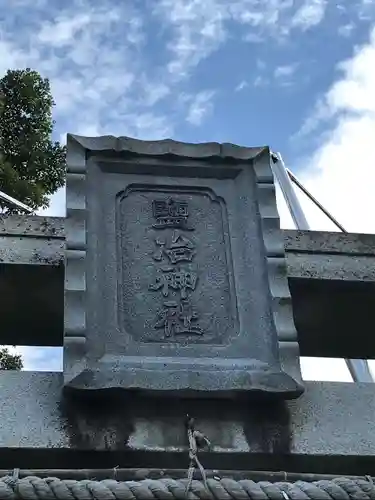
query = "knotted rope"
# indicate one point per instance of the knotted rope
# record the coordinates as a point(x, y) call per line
point(196, 440)
point(35, 488)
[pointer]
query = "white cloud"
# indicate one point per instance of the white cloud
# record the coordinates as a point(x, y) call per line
point(200, 106)
point(260, 81)
point(154, 92)
point(242, 85)
point(341, 171)
point(286, 70)
point(200, 28)
point(310, 14)
point(366, 9)
point(253, 38)
point(283, 75)
point(91, 54)
point(346, 30)
point(60, 32)
point(313, 120)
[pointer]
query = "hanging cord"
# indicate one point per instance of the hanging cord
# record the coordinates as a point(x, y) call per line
point(196, 440)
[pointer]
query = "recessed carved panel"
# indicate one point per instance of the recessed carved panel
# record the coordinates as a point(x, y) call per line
point(175, 266)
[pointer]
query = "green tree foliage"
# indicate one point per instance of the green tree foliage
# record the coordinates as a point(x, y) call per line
point(32, 167)
point(10, 361)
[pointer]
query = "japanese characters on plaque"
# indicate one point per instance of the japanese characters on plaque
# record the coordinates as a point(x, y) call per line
point(176, 278)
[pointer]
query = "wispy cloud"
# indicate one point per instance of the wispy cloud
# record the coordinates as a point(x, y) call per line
point(366, 9)
point(253, 38)
point(200, 106)
point(95, 56)
point(346, 29)
point(260, 81)
point(62, 31)
point(284, 71)
point(341, 169)
point(351, 96)
point(200, 28)
point(91, 56)
point(242, 85)
point(153, 92)
point(310, 14)
point(197, 30)
point(283, 75)
point(319, 114)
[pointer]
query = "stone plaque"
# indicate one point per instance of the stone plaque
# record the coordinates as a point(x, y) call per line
point(175, 271)
point(180, 268)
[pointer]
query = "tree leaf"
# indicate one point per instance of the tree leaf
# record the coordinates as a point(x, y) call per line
point(32, 167)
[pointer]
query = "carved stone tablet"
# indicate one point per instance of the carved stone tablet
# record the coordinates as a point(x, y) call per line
point(176, 283)
point(175, 270)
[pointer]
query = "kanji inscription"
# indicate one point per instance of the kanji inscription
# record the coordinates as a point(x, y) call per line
point(170, 214)
point(174, 267)
point(176, 317)
point(178, 249)
point(175, 278)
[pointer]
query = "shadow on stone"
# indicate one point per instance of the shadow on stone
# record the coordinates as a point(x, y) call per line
point(119, 421)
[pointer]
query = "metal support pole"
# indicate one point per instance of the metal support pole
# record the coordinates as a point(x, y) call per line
point(13, 201)
point(314, 200)
point(358, 368)
point(289, 194)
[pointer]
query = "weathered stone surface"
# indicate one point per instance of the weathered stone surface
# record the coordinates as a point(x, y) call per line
point(175, 277)
point(325, 242)
point(32, 240)
point(27, 251)
point(309, 254)
point(326, 266)
point(331, 423)
point(330, 256)
point(330, 300)
point(32, 226)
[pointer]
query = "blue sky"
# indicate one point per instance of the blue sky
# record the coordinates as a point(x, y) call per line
point(296, 75)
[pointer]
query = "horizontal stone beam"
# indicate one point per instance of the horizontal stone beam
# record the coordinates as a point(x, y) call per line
point(31, 240)
point(310, 254)
point(330, 256)
point(330, 429)
point(331, 277)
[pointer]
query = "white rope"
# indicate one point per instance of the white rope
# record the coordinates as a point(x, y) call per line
point(36, 488)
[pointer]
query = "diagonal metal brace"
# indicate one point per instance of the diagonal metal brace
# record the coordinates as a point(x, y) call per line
point(358, 368)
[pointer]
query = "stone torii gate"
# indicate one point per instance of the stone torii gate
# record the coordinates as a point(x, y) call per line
point(171, 285)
